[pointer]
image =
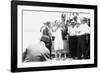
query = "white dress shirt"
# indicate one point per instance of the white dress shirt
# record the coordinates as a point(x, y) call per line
point(71, 30)
point(82, 29)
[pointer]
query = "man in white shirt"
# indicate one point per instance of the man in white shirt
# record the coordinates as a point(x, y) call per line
point(72, 39)
point(81, 32)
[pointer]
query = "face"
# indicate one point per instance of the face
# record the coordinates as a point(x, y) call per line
point(47, 44)
point(83, 22)
point(78, 24)
point(73, 22)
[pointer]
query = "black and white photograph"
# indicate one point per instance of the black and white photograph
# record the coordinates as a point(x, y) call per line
point(55, 36)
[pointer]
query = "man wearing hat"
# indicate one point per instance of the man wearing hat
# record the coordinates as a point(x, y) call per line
point(46, 31)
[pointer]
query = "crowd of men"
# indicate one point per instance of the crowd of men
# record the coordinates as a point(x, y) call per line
point(69, 38)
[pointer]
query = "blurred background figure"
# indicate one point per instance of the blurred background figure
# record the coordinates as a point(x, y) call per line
point(37, 52)
point(88, 41)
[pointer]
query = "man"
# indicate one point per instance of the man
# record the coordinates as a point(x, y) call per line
point(72, 39)
point(37, 52)
point(81, 31)
point(46, 31)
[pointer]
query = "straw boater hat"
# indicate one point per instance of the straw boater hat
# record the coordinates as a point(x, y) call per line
point(85, 19)
point(47, 23)
point(72, 20)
